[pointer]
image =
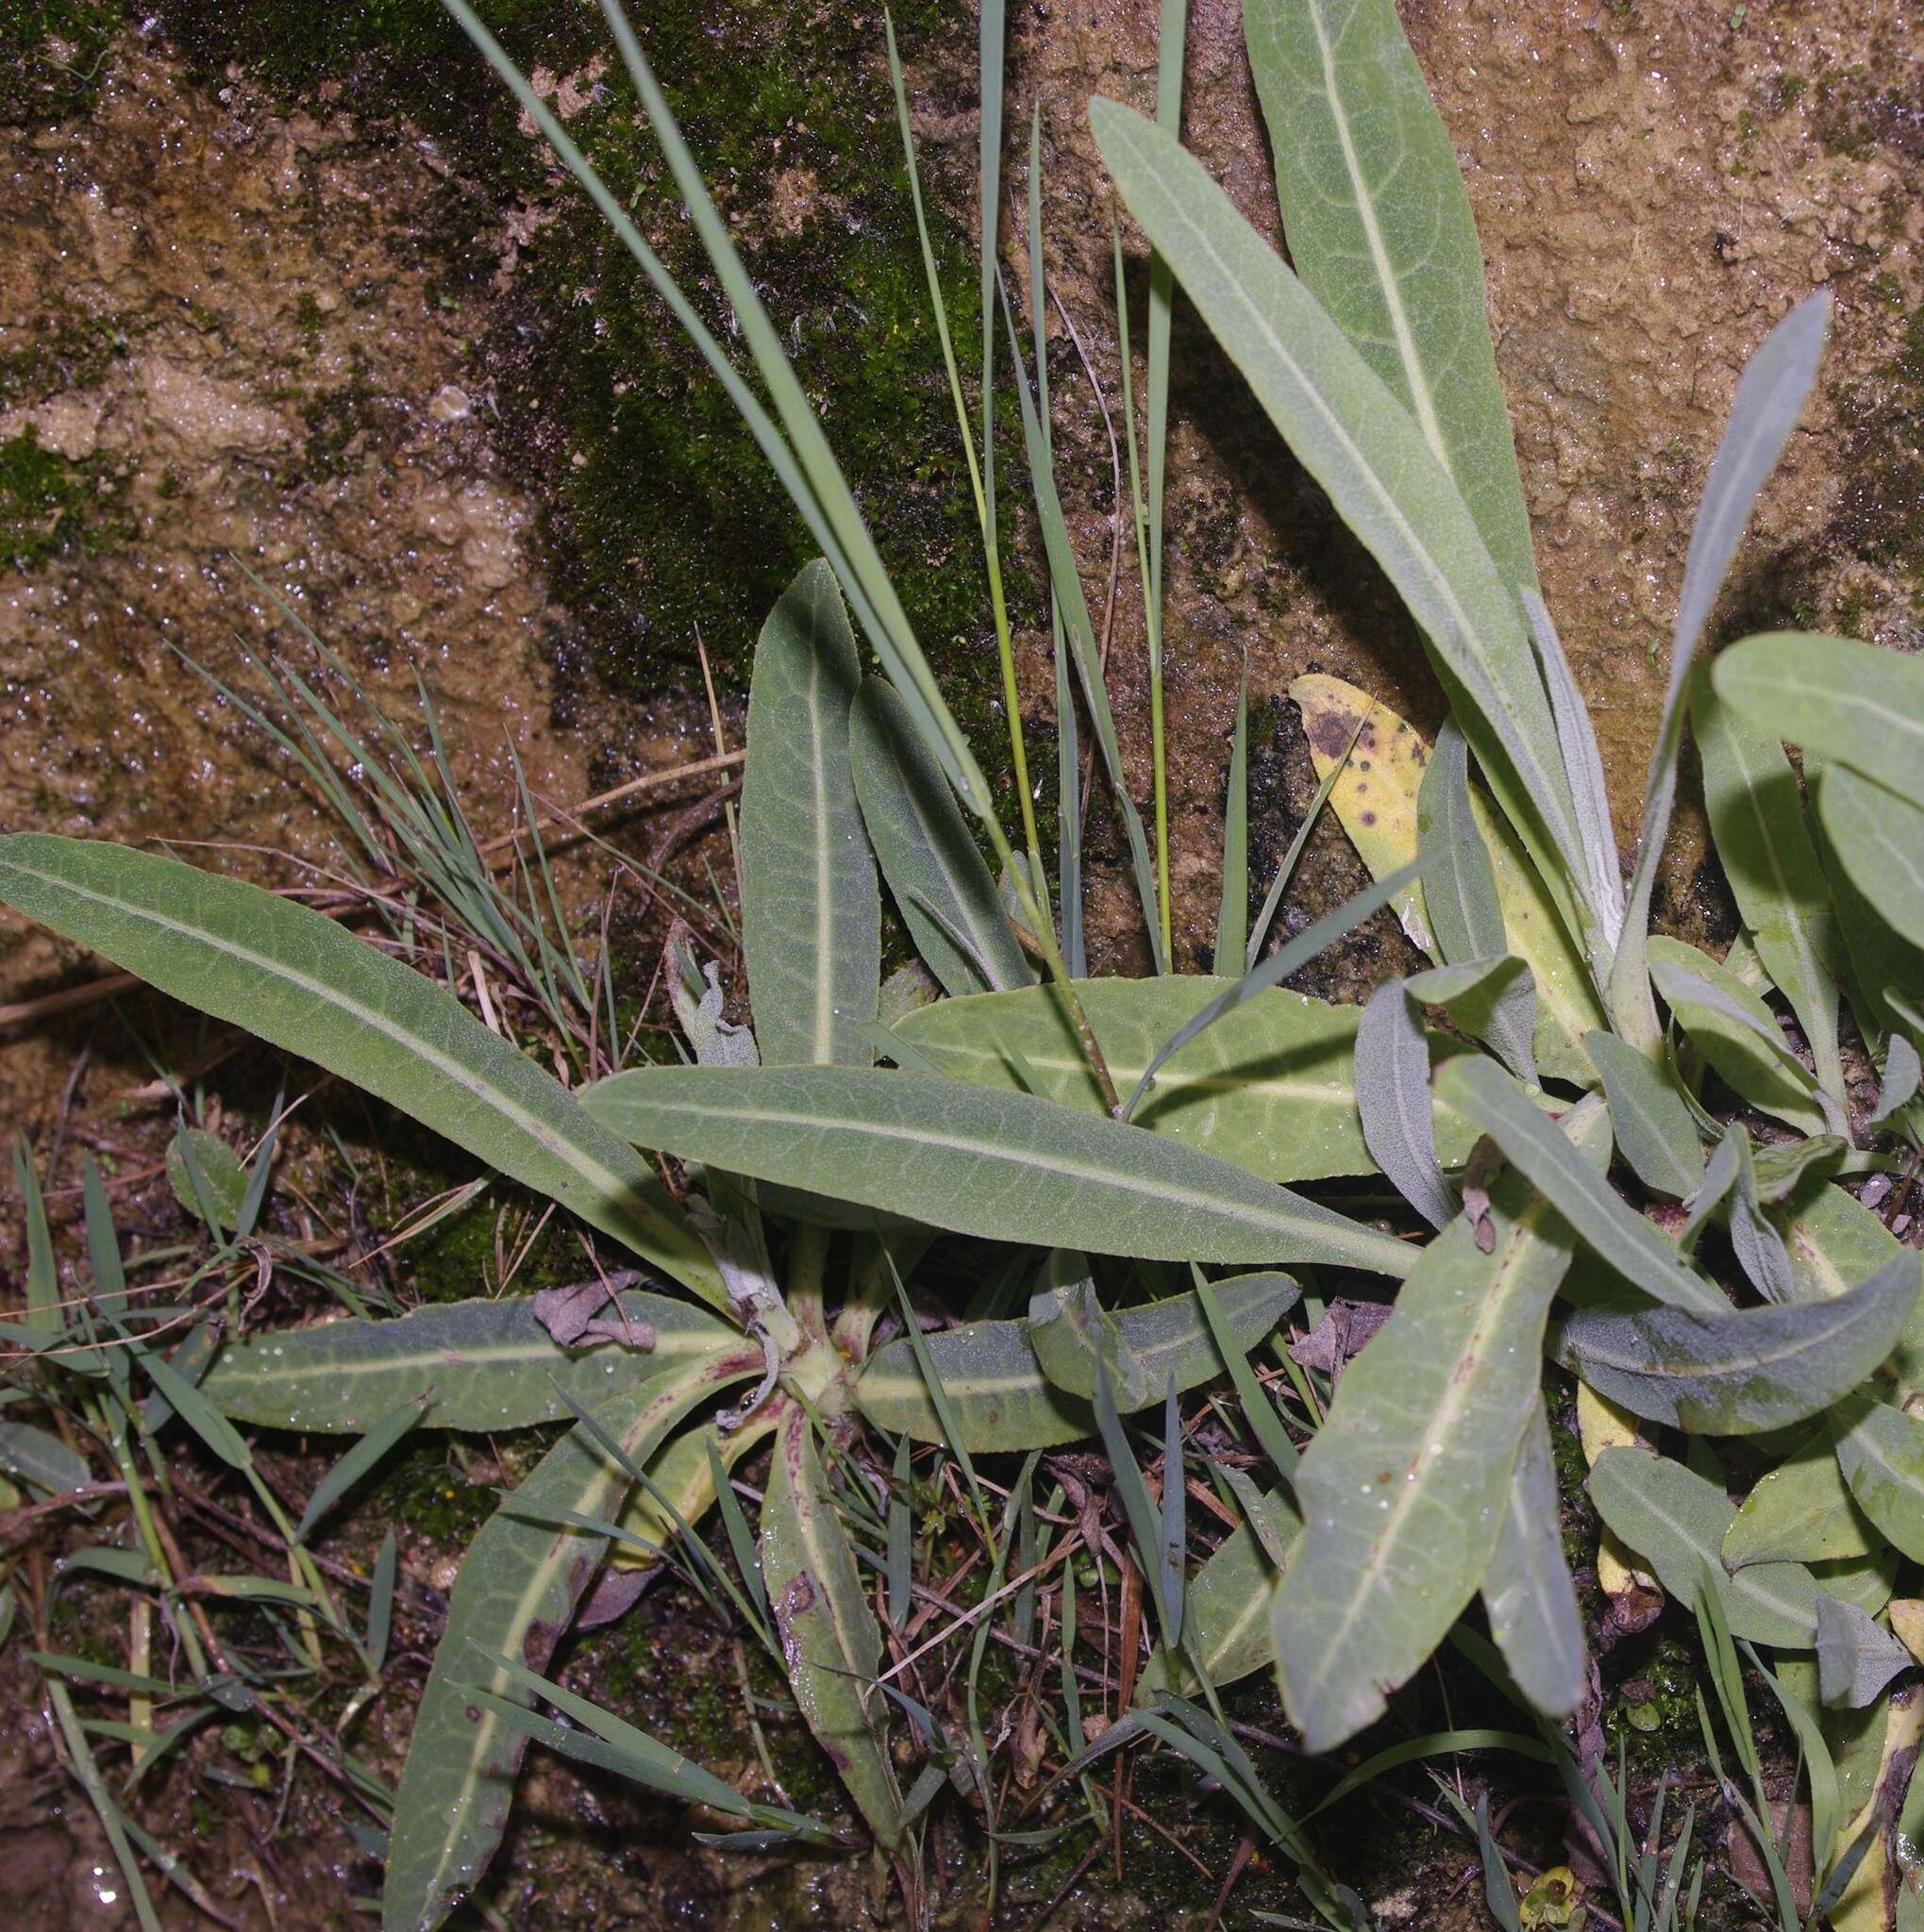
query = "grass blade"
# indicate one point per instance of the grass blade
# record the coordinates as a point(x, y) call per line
point(357, 1462)
point(1232, 916)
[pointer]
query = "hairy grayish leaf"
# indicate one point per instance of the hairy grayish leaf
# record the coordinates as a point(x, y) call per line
point(1531, 1602)
point(1392, 1102)
point(1653, 1126)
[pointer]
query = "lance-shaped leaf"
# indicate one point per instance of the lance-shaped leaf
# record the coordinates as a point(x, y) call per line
point(1000, 1396)
point(1614, 1231)
point(1376, 790)
point(1394, 1105)
point(1653, 1126)
point(41, 1459)
point(1227, 1625)
point(1737, 1374)
point(1527, 1590)
point(1834, 1241)
point(1270, 1086)
point(1878, 838)
point(516, 1593)
point(1359, 441)
point(1672, 1516)
point(1763, 840)
point(994, 1386)
point(1068, 1329)
point(1005, 1166)
point(829, 1633)
point(1404, 1488)
point(1882, 1455)
point(939, 878)
point(1881, 963)
point(1769, 399)
point(1855, 1659)
point(810, 908)
point(1460, 895)
point(1799, 1512)
point(1380, 229)
point(299, 981)
point(1738, 1034)
point(1852, 704)
point(479, 1365)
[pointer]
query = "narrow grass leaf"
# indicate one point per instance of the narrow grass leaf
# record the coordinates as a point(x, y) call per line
point(1616, 1232)
point(926, 851)
point(43, 1317)
point(298, 980)
point(358, 1461)
point(810, 908)
point(380, 1600)
point(1232, 915)
point(1005, 1166)
point(1270, 1434)
point(476, 1365)
point(1739, 1372)
point(1138, 1506)
point(1768, 401)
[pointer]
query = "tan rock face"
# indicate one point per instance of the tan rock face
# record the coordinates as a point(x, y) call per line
point(1654, 188)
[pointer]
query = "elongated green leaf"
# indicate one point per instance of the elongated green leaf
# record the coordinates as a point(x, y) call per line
point(1653, 1126)
point(1768, 401)
point(35, 1457)
point(1002, 1400)
point(1855, 1659)
point(1882, 1455)
point(44, 1314)
point(1878, 838)
point(519, 1584)
point(1151, 1343)
point(1271, 1085)
point(1737, 1374)
point(479, 1365)
point(829, 1633)
point(1676, 1520)
point(1801, 1513)
point(810, 908)
point(1380, 229)
point(1738, 1034)
point(1005, 1166)
point(1404, 1489)
point(1882, 962)
point(1392, 1102)
point(1229, 1607)
point(1834, 1243)
point(939, 880)
point(1527, 1590)
point(1358, 440)
point(1852, 704)
point(1763, 840)
point(1619, 1236)
point(303, 983)
point(995, 1388)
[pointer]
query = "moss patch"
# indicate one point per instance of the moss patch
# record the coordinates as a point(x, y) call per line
point(51, 53)
point(51, 508)
point(662, 519)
